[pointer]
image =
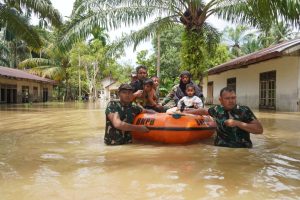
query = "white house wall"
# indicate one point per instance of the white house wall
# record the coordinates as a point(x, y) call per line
point(247, 83)
point(298, 102)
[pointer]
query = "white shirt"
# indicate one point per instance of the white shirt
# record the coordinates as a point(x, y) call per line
point(190, 102)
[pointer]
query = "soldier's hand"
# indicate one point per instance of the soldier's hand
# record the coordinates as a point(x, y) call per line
point(143, 129)
point(230, 122)
point(139, 93)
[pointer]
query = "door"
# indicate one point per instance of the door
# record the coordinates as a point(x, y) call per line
point(210, 93)
point(45, 94)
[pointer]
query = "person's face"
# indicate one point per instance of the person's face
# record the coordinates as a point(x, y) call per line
point(190, 91)
point(185, 79)
point(142, 74)
point(133, 78)
point(155, 81)
point(147, 88)
point(126, 96)
point(228, 100)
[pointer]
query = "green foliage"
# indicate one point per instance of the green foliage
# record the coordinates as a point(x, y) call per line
point(148, 61)
point(94, 62)
point(200, 39)
point(196, 52)
point(170, 46)
point(242, 40)
point(236, 37)
point(220, 56)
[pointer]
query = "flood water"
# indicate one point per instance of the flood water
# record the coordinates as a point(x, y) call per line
point(56, 151)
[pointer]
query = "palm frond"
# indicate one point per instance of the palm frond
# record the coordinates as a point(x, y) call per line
point(35, 62)
point(3, 47)
point(211, 37)
point(145, 33)
point(260, 13)
point(107, 17)
point(4, 61)
point(54, 72)
point(20, 27)
point(42, 8)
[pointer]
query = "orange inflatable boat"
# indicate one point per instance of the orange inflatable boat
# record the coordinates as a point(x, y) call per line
point(174, 129)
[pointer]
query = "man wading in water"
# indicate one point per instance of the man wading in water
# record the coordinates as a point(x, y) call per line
point(234, 122)
point(120, 116)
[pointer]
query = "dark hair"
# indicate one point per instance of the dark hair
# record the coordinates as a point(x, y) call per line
point(190, 85)
point(226, 89)
point(185, 73)
point(141, 67)
point(148, 81)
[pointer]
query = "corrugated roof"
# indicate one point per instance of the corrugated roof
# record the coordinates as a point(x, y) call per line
point(15, 73)
point(259, 56)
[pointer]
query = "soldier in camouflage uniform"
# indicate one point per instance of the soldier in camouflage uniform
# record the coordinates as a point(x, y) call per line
point(120, 116)
point(234, 122)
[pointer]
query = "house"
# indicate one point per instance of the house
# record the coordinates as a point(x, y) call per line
point(110, 89)
point(266, 79)
point(17, 86)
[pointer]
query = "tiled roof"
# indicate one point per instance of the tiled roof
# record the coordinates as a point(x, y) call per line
point(19, 74)
point(262, 55)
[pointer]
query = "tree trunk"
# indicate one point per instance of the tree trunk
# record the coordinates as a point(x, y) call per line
point(96, 69)
point(158, 58)
point(79, 80)
point(89, 82)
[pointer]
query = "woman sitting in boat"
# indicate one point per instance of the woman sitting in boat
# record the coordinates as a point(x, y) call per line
point(179, 91)
point(191, 101)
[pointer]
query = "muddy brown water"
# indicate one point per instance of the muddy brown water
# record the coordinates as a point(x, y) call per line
point(55, 151)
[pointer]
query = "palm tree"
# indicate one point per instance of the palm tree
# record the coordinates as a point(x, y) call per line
point(236, 37)
point(251, 45)
point(14, 17)
point(193, 14)
point(51, 63)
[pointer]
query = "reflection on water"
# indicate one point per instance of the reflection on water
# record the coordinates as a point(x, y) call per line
point(56, 151)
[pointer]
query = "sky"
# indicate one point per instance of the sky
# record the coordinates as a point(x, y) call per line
point(65, 8)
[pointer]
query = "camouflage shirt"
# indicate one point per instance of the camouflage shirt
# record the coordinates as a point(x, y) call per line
point(232, 136)
point(115, 136)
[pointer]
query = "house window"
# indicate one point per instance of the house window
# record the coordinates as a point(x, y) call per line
point(210, 93)
point(267, 90)
point(231, 83)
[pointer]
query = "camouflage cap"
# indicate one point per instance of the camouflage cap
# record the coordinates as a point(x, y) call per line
point(125, 86)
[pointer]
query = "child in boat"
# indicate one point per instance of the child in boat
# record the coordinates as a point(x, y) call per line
point(155, 85)
point(190, 101)
point(149, 100)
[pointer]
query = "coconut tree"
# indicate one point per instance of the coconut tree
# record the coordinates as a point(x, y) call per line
point(193, 14)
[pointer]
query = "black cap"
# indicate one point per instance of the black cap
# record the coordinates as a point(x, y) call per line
point(125, 86)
